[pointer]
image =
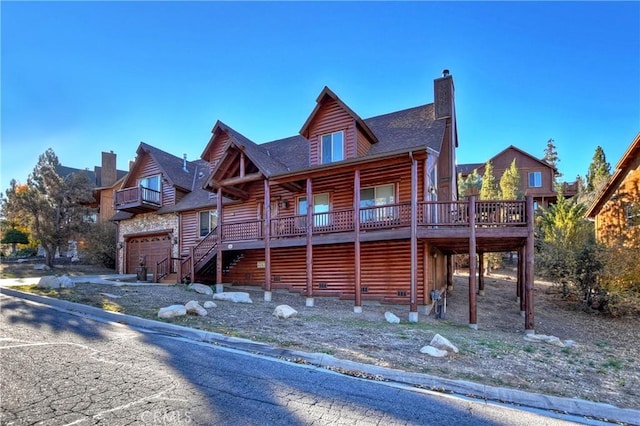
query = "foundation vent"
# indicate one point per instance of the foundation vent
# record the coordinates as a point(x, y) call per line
point(402, 293)
point(276, 278)
point(322, 285)
point(364, 289)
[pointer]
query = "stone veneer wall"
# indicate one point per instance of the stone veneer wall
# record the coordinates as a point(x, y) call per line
point(147, 223)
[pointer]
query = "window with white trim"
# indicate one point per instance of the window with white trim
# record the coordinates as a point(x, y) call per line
point(320, 209)
point(207, 222)
point(332, 147)
point(535, 179)
point(371, 199)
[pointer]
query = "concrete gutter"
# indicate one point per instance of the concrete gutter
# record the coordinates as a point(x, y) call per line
point(572, 406)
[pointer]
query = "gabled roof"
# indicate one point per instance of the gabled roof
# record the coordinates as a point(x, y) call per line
point(264, 161)
point(94, 175)
point(467, 169)
point(327, 95)
point(622, 168)
point(526, 154)
point(408, 129)
point(172, 167)
point(396, 132)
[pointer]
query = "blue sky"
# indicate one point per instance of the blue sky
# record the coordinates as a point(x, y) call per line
point(87, 77)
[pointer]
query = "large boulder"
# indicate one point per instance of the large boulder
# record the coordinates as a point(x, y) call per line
point(193, 307)
point(434, 352)
point(285, 311)
point(233, 296)
point(201, 288)
point(65, 282)
point(391, 318)
point(41, 267)
point(51, 281)
point(441, 343)
point(172, 311)
point(543, 338)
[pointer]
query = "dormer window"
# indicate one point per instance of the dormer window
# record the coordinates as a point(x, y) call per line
point(332, 146)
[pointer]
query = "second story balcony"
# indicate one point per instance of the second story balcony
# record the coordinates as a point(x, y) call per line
point(137, 199)
point(433, 220)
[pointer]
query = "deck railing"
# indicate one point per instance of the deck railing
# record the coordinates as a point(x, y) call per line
point(241, 231)
point(432, 214)
point(138, 195)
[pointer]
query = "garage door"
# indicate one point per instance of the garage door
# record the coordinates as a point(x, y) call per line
point(153, 247)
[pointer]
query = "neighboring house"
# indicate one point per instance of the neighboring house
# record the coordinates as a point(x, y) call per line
point(104, 179)
point(537, 177)
point(616, 210)
point(362, 209)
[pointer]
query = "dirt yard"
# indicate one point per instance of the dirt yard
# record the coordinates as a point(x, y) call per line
point(602, 366)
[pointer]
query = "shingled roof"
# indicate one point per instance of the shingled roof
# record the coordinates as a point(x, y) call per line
point(171, 166)
point(400, 131)
point(95, 177)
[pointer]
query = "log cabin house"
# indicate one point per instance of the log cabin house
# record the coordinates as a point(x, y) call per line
point(537, 177)
point(361, 209)
point(616, 209)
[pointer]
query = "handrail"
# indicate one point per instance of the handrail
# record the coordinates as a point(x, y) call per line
point(162, 270)
point(139, 195)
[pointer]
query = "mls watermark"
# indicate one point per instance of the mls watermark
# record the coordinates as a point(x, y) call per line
point(164, 417)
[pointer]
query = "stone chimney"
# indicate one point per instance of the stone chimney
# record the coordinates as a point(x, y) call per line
point(108, 173)
point(443, 95)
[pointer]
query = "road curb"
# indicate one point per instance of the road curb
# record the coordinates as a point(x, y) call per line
point(577, 407)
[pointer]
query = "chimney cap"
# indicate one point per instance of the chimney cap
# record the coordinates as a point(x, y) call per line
point(445, 72)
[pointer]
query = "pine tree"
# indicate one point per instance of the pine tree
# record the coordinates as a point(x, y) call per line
point(510, 182)
point(470, 185)
point(599, 170)
point(490, 189)
point(54, 206)
point(551, 157)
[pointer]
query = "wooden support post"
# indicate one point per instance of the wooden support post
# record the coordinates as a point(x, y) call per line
point(481, 274)
point(267, 241)
point(473, 301)
point(450, 260)
point(413, 298)
point(529, 320)
point(219, 232)
point(521, 279)
point(356, 244)
point(309, 291)
point(192, 270)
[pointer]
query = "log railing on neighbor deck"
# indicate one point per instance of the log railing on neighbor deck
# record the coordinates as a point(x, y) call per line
point(430, 214)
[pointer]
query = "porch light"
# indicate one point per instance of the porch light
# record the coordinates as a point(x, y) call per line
point(284, 204)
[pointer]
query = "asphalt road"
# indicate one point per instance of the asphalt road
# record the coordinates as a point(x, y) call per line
point(63, 369)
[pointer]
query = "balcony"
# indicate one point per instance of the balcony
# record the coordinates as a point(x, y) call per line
point(433, 219)
point(138, 199)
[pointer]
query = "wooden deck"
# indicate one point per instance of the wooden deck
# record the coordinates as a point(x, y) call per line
point(497, 224)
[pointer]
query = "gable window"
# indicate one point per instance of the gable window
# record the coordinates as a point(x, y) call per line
point(372, 201)
point(332, 147)
point(320, 209)
point(535, 179)
point(208, 221)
